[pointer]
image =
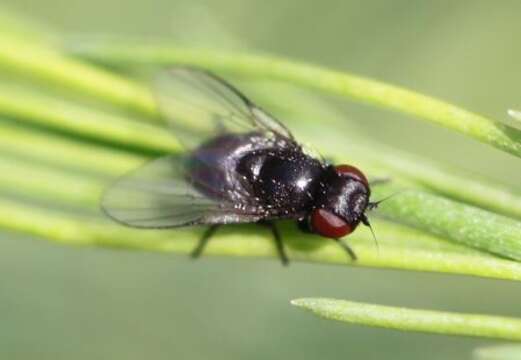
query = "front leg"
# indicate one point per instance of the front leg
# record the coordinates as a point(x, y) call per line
point(303, 225)
point(347, 249)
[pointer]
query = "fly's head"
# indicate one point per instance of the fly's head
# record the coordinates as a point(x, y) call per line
point(340, 203)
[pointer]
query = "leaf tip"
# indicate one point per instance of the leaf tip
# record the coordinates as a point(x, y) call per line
point(310, 303)
point(514, 113)
point(299, 302)
point(515, 119)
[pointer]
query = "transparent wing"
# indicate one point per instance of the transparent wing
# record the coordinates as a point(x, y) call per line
point(160, 195)
point(199, 106)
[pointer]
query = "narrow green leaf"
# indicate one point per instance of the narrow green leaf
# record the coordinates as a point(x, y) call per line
point(42, 110)
point(48, 66)
point(404, 319)
point(53, 149)
point(40, 182)
point(314, 77)
point(462, 223)
point(400, 247)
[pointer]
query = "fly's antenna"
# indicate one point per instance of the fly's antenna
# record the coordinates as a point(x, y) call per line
point(366, 222)
point(374, 205)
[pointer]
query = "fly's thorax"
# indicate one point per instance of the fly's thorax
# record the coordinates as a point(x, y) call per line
point(283, 179)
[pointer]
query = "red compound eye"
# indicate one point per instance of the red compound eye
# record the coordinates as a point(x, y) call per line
point(329, 225)
point(353, 172)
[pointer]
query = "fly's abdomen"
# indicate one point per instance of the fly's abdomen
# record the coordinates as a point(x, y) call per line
point(212, 168)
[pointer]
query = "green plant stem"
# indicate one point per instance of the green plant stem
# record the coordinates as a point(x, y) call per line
point(328, 81)
point(29, 106)
point(252, 241)
point(46, 65)
point(464, 224)
point(52, 149)
point(470, 188)
point(403, 319)
point(40, 182)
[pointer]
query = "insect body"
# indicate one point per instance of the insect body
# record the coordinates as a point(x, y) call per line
point(242, 166)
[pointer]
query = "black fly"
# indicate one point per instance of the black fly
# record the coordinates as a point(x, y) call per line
point(242, 166)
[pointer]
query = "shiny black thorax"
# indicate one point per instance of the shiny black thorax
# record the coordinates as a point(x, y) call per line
point(284, 180)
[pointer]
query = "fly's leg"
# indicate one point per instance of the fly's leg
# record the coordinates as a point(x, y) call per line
point(198, 250)
point(303, 225)
point(347, 249)
point(278, 241)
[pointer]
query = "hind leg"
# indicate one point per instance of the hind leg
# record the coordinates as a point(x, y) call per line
point(278, 241)
point(203, 241)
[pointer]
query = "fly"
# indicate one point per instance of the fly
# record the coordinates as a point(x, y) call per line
point(241, 166)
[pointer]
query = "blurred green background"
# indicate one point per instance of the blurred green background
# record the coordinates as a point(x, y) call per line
point(83, 303)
